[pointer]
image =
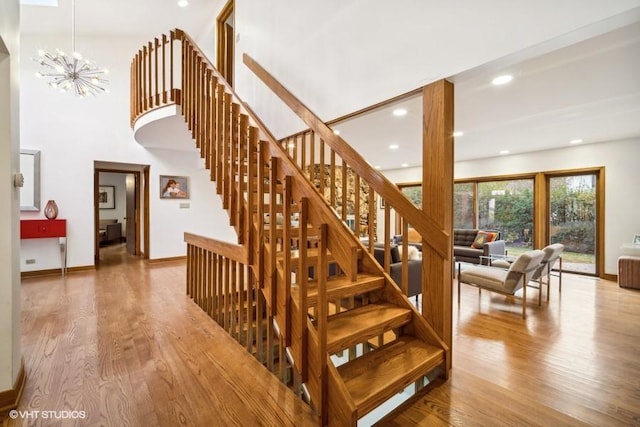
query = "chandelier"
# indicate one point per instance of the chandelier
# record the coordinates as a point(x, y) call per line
point(72, 71)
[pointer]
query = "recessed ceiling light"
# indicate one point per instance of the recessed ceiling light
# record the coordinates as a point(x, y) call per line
point(405, 165)
point(575, 141)
point(394, 147)
point(458, 133)
point(399, 112)
point(502, 80)
point(183, 3)
point(377, 167)
point(504, 152)
point(336, 132)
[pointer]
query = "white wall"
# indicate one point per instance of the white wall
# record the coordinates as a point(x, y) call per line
point(622, 179)
point(72, 133)
point(9, 209)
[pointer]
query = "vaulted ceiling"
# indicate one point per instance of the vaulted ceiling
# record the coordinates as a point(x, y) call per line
point(583, 86)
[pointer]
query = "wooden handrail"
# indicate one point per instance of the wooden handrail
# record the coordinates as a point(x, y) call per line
point(435, 237)
point(237, 253)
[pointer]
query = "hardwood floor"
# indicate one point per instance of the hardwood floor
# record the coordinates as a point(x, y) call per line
point(125, 345)
point(574, 361)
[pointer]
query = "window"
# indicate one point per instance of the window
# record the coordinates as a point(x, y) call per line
point(507, 206)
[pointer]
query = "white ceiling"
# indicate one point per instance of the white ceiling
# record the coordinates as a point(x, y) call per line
point(567, 89)
point(589, 91)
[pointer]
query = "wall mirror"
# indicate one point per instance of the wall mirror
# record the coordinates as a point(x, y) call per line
point(30, 169)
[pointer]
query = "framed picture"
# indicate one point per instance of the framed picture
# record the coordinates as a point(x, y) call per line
point(174, 187)
point(636, 239)
point(107, 197)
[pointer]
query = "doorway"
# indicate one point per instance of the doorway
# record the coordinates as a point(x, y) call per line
point(121, 210)
point(573, 219)
point(225, 41)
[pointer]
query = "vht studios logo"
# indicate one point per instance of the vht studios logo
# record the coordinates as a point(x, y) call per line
point(47, 415)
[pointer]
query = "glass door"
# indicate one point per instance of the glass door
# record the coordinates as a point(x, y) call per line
point(572, 220)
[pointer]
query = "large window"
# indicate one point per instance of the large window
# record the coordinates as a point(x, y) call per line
point(463, 205)
point(572, 220)
point(566, 208)
point(507, 206)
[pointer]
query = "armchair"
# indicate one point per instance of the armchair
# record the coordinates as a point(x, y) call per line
point(506, 282)
point(552, 254)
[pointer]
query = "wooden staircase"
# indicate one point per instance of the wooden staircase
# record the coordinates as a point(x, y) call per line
point(299, 287)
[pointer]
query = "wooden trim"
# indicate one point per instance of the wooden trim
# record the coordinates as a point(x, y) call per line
point(9, 399)
point(238, 253)
point(221, 51)
point(612, 277)
point(167, 259)
point(55, 271)
point(146, 214)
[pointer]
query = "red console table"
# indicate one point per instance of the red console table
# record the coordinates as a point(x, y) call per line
point(46, 229)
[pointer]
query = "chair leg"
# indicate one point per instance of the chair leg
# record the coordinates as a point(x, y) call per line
point(524, 297)
point(458, 283)
point(560, 276)
point(540, 291)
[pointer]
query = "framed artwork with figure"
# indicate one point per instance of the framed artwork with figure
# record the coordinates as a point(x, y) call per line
point(174, 187)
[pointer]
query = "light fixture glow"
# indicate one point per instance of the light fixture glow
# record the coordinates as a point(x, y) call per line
point(72, 72)
point(458, 133)
point(336, 132)
point(503, 152)
point(502, 80)
point(394, 147)
point(575, 141)
point(399, 112)
point(183, 3)
point(377, 167)
point(291, 145)
point(405, 165)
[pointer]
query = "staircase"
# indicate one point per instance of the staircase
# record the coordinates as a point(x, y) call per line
point(299, 287)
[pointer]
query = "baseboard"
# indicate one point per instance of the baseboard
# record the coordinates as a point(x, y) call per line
point(9, 399)
point(168, 259)
point(55, 271)
point(612, 277)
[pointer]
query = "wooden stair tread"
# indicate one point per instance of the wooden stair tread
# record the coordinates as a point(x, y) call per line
point(376, 376)
point(341, 287)
point(354, 326)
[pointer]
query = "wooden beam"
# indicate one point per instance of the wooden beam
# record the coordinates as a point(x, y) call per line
point(437, 204)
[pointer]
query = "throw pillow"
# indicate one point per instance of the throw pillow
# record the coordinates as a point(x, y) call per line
point(483, 237)
point(412, 252)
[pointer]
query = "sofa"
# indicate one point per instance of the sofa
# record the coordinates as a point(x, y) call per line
point(109, 230)
point(469, 246)
point(414, 287)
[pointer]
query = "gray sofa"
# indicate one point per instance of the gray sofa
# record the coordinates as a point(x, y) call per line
point(414, 287)
point(109, 230)
point(463, 238)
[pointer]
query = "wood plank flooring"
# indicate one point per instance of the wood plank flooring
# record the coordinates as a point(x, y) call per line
point(574, 361)
point(128, 347)
point(125, 345)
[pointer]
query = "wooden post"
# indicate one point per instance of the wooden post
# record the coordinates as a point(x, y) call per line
point(437, 204)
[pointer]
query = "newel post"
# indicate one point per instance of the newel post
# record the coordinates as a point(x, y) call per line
point(437, 204)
